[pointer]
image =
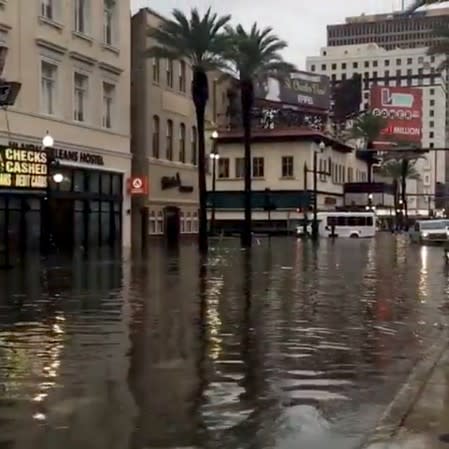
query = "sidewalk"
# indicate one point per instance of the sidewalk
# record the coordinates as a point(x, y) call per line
point(423, 422)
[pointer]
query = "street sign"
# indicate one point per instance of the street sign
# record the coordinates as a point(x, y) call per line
point(138, 185)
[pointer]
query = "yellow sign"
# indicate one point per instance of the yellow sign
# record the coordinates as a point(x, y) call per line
point(23, 169)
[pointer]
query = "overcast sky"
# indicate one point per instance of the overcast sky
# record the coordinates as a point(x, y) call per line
point(302, 23)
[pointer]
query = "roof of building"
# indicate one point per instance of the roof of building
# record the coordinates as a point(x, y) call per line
point(284, 135)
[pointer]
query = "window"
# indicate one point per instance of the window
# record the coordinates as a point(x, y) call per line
point(108, 104)
point(47, 9)
point(366, 64)
point(355, 65)
point(387, 63)
point(81, 15)
point(194, 146)
point(334, 66)
point(323, 66)
point(287, 166)
point(80, 92)
point(156, 136)
point(182, 76)
point(432, 103)
point(108, 22)
point(313, 68)
point(169, 72)
point(431, 135)
point(432, 113)
point(431, 124)
point(48, 87)
point(421, 60)
point(409, 61)
point(223, 167)
point(182, 143)
point(343, 65)
point(160, 222)
point(169, 152)
point(432, 91)
point(240, 167)
point(387, 74)
point(258, 167)
point(350, 174)
point(375, 63)
point(156, 69)
point(398, 61)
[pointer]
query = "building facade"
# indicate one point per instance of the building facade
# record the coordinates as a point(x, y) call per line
point(165, 141)
point(279, 160)
point(410, 67)
point(72, 60)
point(390, 31)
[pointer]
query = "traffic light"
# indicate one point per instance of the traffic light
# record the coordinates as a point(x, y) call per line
point(311, 200)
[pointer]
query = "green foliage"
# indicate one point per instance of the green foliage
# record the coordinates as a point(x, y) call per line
point(368, 127)
point(200, 40)
point(394, 169)
point(255, 55)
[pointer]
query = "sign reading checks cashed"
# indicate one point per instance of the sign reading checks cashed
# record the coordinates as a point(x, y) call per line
point(23, 169)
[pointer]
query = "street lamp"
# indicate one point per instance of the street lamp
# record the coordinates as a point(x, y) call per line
point(214, 156)
point(48, 143)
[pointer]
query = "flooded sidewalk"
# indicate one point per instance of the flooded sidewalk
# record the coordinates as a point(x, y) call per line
point(424, 419)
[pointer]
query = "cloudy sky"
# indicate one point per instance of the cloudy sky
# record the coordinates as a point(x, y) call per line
point(302, 23)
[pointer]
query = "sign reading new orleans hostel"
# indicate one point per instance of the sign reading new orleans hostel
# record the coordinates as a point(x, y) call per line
point(23, 169)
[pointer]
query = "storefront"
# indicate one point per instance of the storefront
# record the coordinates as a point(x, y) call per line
point(84, 209)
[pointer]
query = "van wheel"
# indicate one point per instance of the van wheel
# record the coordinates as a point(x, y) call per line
point(354, 236)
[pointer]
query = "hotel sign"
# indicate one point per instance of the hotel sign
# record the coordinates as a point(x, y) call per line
point(23, 169)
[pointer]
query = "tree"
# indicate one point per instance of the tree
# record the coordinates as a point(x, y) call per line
point(368, 127)
point(399, 170)
point(418, 3)
point(254, 57)
point(201, 41)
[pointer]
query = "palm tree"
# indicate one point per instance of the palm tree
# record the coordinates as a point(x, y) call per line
point(201, 41)
point(254, 57)
point(399, 170)
point(368, 127)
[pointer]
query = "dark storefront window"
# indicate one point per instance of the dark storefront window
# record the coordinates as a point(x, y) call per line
point(116, 185)
point(106, 183)
point(79, 183)
point(94, 182)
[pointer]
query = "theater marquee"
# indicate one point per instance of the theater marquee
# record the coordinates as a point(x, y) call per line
point(23, 169)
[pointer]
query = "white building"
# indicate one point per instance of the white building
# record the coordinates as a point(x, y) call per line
point(279, 157)
point(73, 62)
point(400, 67)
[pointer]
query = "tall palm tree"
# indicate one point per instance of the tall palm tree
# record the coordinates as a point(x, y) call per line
point(254, 57)
point(368, 127)
point(201, 41)
point(399, 170)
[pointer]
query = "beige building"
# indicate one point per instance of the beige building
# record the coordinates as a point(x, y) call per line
point(72, 58)
point(165, 143)
point(279, 157)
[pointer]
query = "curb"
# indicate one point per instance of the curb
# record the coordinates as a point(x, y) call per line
point(399, 408)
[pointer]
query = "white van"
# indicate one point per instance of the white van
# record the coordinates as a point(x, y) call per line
point(344, 224)
point(430, 231)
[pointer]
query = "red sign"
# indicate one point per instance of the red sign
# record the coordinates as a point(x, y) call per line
point(402, 108)
point(138, 185)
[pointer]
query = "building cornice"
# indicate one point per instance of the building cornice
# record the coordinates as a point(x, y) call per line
point(82, 58)
point(51, 46)
point(110, 68)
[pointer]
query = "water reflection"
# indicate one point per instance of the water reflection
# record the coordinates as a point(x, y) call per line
point(283, 347)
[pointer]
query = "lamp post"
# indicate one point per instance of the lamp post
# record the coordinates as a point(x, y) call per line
point(47, 144)
point(321, 147)
point(214, 156)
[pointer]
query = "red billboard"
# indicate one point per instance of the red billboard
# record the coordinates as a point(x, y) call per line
point(402, 108)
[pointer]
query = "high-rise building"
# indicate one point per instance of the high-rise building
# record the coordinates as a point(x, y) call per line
point(72, 60)
point(413, 68)
point(396, 30)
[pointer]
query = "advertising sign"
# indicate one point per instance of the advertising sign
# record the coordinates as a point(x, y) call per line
point(302, 88)
point(23, 169)
point(402, 108)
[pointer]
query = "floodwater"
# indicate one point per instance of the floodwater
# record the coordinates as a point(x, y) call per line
point(287, 347)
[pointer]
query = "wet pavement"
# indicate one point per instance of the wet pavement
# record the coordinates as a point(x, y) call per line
point(288, 347)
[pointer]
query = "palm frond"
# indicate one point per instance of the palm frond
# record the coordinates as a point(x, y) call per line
point(368, 127)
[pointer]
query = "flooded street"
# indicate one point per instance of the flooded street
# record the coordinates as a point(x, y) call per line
point(289, 347)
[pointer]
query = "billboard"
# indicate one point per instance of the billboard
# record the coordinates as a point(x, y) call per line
point(301, 88)
point(402, 108)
